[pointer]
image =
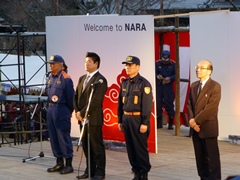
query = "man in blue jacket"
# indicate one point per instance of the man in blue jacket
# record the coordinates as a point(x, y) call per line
point(60, 100)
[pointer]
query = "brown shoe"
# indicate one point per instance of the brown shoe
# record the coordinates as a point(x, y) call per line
point(84, 176)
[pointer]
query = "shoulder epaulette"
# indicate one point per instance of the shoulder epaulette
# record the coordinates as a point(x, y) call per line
point(65, 75)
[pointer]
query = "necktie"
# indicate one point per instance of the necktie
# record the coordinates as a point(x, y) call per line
point(199, 88)
point(86, 81)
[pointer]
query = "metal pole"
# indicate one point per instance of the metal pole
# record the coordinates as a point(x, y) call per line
point(118, 6)
point(177, 99)
point(56, 7)
point(86, 122)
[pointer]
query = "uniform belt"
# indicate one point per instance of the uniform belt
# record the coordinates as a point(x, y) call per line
point(55, 104)
point(132, 113)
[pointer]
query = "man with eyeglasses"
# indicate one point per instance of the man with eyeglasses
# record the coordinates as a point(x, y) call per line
point(203, 102)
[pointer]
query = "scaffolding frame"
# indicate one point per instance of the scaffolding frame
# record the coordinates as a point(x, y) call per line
point(21, 82)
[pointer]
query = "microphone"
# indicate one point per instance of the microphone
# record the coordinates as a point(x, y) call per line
point(47, 74)
point(97, 82)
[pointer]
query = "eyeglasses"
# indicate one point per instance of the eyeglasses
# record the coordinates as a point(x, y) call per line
point(200, 68)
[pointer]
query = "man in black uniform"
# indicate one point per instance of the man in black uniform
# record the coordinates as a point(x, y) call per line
point(165, 77)
point(134, 111)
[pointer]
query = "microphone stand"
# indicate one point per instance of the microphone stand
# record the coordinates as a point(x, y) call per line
point(86, 121)
point(41, 154)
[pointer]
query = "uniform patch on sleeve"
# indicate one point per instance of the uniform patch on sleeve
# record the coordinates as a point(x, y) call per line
point(147, 90)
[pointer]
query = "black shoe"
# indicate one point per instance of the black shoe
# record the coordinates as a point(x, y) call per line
point(144, 176)
point(170, 123)
point(66, 170)
point(159, 126)
point(96, 177)
point(159, 122)
point(137, 176)
point(56, 168)
point(84, 176)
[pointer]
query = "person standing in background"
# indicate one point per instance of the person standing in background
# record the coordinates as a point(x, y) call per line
point(165, 77)
point(203, 102)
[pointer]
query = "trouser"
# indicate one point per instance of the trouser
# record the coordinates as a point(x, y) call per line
point(207, 157)
point(165, 97)
point(136, 143)
point(59, 124)
point(97, 150)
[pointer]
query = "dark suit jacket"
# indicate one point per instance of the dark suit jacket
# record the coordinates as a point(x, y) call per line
point(204, 108)
point(81, 98)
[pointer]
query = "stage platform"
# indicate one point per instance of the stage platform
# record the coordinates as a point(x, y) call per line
point(175, 160)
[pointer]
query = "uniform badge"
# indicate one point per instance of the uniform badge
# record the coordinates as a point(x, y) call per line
point(147, 90)
point(54, 98)
point(58, 82)
point(129, 58)
point(51, 58)
point(49, 81)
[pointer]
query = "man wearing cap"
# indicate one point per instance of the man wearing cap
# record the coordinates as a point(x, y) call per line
point(134, 111)
point(165, 76)
point(60, 101)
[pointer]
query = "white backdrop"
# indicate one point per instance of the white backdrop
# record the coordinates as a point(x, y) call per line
point(69, 37)
point(216, 37)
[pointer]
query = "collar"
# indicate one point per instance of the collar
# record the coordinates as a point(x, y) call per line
point(204, 82)
point(92, 74)
point(134, 79)
point(58, 74)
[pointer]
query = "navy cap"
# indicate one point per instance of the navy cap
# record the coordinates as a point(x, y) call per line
point(165, 55)
point(55, 59)
point(132, 60)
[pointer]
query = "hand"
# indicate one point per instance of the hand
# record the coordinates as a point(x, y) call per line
point(194, 125)
point(196, 128)
point(120, 127)
point(78, 116)
point(166, 79)
point(159, 77)
point(143, 128)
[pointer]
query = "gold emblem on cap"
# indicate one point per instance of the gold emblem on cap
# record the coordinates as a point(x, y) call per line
point(51, 58)
point(129, 58)
point(147, 90)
